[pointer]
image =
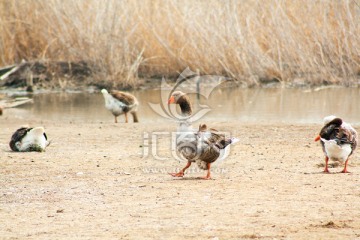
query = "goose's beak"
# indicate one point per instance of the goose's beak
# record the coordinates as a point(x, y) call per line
point(171, 100)
point(317, 138)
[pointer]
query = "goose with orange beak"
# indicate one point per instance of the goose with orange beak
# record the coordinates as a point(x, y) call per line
point(338, 140)
point(203, 146)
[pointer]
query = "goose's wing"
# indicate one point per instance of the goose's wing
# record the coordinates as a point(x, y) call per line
point(214, 137)
point(347, 135)
point(210, 143)
point(209, 149)
point(354, 138)
point(123, 97)
point(18, 135)
point(210, 135)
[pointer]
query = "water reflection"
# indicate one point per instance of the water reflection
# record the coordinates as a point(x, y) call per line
point(227, 104)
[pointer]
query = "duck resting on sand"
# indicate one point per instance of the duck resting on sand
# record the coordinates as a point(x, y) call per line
point(338, 141)
point(118, 103)
point(203, 146)
point(27, 139)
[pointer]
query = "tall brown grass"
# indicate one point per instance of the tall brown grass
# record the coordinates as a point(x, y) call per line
point(252, 41)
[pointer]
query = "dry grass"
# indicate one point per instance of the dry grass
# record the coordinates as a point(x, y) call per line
point(251, 41)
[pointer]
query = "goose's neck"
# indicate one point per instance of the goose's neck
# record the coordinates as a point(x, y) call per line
point(184, 126)
point(107, 97)
point(185, 106)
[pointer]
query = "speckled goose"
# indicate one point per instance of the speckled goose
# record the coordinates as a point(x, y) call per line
point(27, 139)
point(203, 146)
point(118, 103)
point(338, 141)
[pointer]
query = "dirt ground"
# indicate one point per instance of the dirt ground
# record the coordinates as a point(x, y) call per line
point(94, 182)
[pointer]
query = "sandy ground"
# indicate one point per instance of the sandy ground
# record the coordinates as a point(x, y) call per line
point(93, 182)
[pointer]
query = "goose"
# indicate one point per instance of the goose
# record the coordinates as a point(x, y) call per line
point(203, 146)
point(27, 139)
point(338, 141)
point(118, 103)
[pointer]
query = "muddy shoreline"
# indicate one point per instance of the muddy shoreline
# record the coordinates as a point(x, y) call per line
point(94, 181)
point(55, 76)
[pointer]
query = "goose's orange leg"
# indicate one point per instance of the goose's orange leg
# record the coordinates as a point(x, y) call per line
point(207, 177)
point(181, 173)
point(326, 170)
point(126, 118)
point(345, 167)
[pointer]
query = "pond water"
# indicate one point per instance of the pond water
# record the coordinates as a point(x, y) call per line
point(262, 105)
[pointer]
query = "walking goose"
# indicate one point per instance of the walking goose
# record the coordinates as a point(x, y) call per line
point(338, 141)
point(203, 146)
point(118, 103)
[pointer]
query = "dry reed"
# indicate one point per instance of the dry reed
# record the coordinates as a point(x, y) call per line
point(252, 41)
